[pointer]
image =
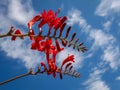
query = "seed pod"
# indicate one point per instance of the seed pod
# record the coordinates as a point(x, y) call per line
point(80, 44)
point(73, 36)
point(61, 29)
point(70, 69)
point(64, 43)
point(67, 33)
point(57, 45)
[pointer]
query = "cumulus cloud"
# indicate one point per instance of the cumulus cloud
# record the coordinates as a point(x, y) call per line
point(21, 51)
point(17, 11)
point(107, 7)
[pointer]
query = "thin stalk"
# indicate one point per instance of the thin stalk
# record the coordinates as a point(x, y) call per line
point(14, 78)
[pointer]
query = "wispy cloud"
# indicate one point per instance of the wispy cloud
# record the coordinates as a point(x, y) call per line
point(107, 25)
point(108, 7)
point(75, 17)
point(100, 39)
point(95, 82)
point(118, 78)
point(111, 55)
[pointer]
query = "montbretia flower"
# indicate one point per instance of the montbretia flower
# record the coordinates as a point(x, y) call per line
point(44, 43)
point(49, 18)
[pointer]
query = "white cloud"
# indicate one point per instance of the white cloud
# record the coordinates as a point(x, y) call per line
point(75, 17)
point(17, 11)
point(118, 78)
point(20, 50)
point(107, 7)
point(98, 85)
point(101, 39)
point(105, 41)
point(107, 25)
point(20, 11)
point(95, 82)
point(111, 55)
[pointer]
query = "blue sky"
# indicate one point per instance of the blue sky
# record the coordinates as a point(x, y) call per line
point(97, 24)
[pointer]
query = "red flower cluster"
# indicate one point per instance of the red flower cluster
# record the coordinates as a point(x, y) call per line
point(50, 18)
point(45, 43)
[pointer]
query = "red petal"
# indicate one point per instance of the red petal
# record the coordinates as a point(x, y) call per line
point(62, 28)
point(13, 38)
point(56, 21)
point(34, 20)
point(51, 13)
point(48, 73)
point(57, 45)
point(64, 43)
point(16, 32)
point(43, 43)
point(54, 74)
point(61, 22)
point(44, 14)
point(68, 59)
point(68, 30)
point(41, 24)
point(48, 41)
point(33, 46)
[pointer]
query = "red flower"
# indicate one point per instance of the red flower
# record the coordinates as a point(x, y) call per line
point(33, 21)
point(16, 32)
point(60, 23)
point(36, 43)
point(68, 59)
point(49, 18)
